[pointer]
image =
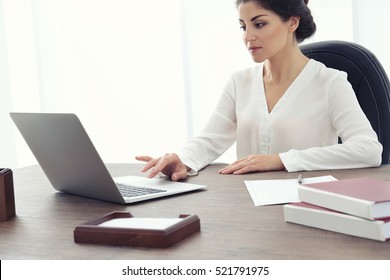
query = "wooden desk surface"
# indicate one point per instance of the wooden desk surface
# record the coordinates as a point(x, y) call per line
point(231, 226)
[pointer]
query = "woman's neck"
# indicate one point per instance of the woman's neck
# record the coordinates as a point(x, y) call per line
point(285, 66)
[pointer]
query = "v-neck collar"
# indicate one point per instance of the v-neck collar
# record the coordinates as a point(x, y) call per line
point(296, 82)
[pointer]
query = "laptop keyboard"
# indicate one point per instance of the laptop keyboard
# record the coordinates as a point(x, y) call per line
point(133, 191)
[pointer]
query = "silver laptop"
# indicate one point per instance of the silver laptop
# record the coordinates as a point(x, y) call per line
point(66, 154)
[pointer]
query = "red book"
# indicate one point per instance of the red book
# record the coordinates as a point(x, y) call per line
point(363, 197)
point(314, 216)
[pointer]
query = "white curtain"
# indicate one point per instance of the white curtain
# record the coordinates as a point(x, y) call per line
point(7, 139)
point(142, 76)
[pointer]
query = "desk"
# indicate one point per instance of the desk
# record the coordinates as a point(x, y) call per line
point(232, 227)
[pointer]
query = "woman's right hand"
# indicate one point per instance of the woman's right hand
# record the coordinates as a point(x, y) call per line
point(169, 164)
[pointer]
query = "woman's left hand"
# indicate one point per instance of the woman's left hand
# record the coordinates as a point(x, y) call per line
point(254, 163)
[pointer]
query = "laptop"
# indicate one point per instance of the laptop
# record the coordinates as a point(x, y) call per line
point(70, 161)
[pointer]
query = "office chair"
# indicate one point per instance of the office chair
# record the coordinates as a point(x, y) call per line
point(368, 79)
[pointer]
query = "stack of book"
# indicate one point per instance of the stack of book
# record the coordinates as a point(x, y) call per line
point(358, 206)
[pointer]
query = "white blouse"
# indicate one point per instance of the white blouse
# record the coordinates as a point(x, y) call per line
point(303, 127)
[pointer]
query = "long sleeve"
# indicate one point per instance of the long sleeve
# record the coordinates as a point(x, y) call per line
point(216, 136)
point(360, 147)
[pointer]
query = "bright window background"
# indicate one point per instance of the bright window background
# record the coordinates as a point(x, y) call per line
point(143, 76)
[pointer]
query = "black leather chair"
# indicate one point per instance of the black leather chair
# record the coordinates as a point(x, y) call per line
point(368, 79)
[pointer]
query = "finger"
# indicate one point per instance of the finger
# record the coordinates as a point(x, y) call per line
point(182, 174)
point(229, 169)
point(143, 158)
point(158, 165)
point(233, 166)
point(226, 169)
point(150, 164)
point(244, 170)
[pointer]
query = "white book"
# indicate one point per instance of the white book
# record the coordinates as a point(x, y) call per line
point(315, 216)
point(363, 197)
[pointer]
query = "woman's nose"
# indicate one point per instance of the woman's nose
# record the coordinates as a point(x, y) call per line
point(249, 35)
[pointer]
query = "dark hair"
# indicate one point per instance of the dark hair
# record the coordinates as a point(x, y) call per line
point(287, 9)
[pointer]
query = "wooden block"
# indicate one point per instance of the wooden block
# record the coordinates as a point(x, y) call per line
point(7, 197)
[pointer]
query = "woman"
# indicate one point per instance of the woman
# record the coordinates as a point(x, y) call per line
point(285, 113)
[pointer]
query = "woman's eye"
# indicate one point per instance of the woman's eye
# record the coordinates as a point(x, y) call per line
point(243, 27)
point(259, 25)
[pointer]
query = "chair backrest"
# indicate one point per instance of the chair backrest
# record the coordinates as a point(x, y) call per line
point(368, 79)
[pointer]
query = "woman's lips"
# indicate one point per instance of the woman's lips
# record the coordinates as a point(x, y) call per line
point(254, 49)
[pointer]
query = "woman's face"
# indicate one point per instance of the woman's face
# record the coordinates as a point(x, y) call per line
point(265, 34)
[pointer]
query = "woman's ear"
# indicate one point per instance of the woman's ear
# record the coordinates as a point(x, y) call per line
point(294, 23)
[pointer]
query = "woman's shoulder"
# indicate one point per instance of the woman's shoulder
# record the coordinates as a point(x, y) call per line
point(324, 72)
point(330, 80)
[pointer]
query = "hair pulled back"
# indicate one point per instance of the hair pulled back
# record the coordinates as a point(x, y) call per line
point(287, 9)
